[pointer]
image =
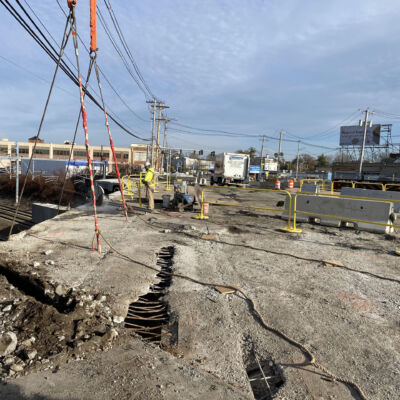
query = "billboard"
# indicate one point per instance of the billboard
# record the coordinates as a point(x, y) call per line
point(353, 135)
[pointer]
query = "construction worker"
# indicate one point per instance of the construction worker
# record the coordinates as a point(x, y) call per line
point(148, 179)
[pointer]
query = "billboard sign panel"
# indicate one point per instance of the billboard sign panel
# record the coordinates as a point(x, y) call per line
point(353, 135)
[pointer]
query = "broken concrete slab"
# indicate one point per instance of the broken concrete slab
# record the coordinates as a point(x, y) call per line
point(8, 343)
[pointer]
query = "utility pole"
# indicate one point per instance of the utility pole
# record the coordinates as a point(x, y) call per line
point(297, 159)
point(365, 122)
point(161, 107)
point(261, 157)
point(280, 150)
point(154, 104)
point(165, 120)
point(16, 172)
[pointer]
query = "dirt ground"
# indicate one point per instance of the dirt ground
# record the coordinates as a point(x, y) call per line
point(73, 303)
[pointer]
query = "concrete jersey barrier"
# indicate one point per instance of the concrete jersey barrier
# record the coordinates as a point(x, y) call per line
point(342, 208)
point(373, 194)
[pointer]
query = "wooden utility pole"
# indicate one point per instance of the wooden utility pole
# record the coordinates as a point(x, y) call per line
point(365, 122)
point(280, 150)
point(154, 104)
point(297, 159)
point(261, 157)
point(161, 106)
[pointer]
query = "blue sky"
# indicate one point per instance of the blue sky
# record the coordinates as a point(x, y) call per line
point(249, 66)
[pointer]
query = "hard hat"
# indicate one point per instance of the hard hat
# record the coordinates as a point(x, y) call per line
point(147, 164)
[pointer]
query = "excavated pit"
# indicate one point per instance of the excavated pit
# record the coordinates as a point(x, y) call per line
point(149, 315)
point(265, 377)
point(52, 324)
point(38, 289)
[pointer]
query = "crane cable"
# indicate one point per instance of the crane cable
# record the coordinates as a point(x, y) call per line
point(60, 55)
point(74, 139)
point(72, 5)
point(53, 54)
point(93, 57)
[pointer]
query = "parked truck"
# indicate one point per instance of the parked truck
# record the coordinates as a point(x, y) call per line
point(231, 169)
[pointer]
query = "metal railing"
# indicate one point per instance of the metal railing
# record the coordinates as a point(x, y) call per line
point(381, 185)
point(130, 181)
point(295, 211)
point(326, 184)
point(388, 185)
point(288, 211)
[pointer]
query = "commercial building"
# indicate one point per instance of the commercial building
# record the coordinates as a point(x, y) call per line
point(136, 154)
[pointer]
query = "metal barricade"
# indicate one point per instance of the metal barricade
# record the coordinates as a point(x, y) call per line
point(355, 184)
point(203, 216)
point(389, 185)
point(128, 183)
point(326, 184)
point(347, 183)
point(295, 211)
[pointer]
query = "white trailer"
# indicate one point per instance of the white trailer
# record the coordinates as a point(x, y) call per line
point(231, 168)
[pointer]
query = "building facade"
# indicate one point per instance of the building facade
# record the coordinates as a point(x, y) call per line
point(136, 154)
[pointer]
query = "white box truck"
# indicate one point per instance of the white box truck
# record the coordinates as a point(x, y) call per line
point(231, 169)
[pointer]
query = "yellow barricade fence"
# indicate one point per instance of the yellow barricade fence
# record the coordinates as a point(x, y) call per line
point(203, 216)
point(128, 182)
point(348, 183)
point(381, 185)
point(354, 184)
point(164, 179)
point(389, 185)
point(295, 211)
point(326, 184)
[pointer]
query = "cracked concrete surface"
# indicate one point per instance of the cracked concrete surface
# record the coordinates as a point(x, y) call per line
point(349, 320)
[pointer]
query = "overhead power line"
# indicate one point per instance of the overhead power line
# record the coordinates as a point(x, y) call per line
point(104, 75)
point(241, 135)
point(327, 132)
point(126, 47)
point(36, 33)
point(120, 53)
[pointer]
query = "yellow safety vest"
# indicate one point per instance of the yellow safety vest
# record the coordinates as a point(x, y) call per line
point(149, 175)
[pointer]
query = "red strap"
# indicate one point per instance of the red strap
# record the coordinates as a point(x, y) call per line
point(93, 29)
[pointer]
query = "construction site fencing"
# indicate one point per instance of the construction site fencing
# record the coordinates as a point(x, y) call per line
point(354, 220)
point(325, 184)
point(203, 215)
point(392, 185)
point(129, 182)
point(378, 184)
point(354, 184)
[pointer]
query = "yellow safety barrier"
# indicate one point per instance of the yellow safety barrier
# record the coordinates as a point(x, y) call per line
point(295, 211)
point(127, 185)
point(355, 184)
point(287, 229)
point(391, 185)
point(165, 179)
point(168, 186)
point(350, 183)
point(324, 183)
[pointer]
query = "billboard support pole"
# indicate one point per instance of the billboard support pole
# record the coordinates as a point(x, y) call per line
point(367, 112)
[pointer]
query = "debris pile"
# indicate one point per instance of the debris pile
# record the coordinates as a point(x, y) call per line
point(44, 324)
